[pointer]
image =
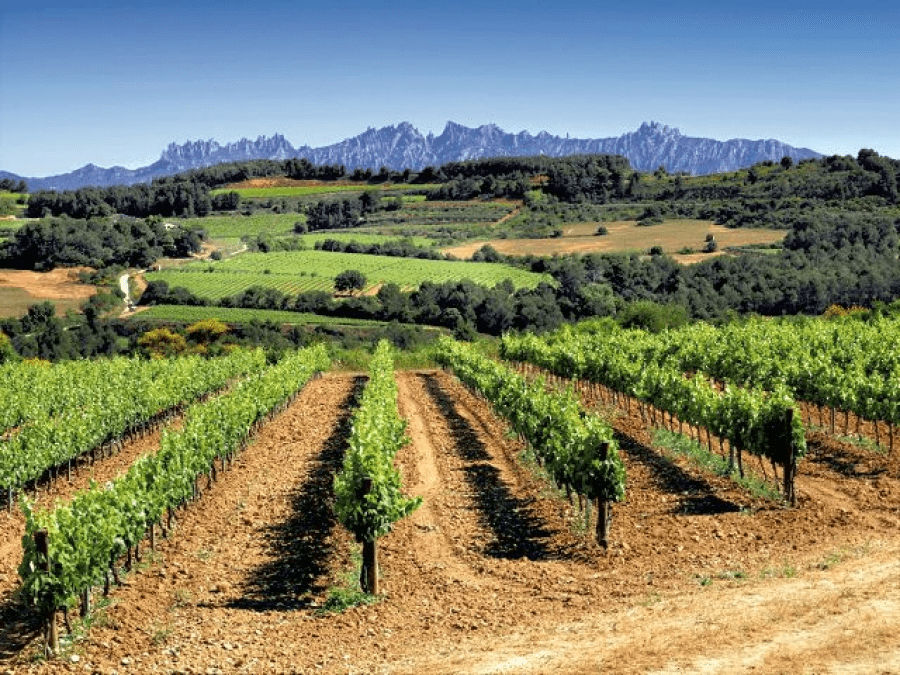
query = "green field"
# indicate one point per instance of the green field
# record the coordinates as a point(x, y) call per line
point(363, 237)
point(298, 271)
point(309, 190)
point(186, 314)
point(237, 225)
point(9, 203)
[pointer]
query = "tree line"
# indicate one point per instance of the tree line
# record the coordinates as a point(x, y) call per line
point(65, 242)
point(12, 185)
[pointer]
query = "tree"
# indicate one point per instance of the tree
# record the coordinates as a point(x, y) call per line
point(787, 162)
point(161, 343)
point(206, 332)
point(349, 280)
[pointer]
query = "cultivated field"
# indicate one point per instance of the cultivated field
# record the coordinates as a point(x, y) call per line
point(19, 289)
point(294, 272)
point(492, 574)
point(626, 236)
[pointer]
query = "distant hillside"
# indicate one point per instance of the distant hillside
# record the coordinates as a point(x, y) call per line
point(403, 146)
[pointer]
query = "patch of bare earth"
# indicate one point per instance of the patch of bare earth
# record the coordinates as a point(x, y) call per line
point(490, 575)
point(21, 288)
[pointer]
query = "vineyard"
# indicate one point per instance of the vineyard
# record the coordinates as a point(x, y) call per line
point(295, 272)
point(527, 518)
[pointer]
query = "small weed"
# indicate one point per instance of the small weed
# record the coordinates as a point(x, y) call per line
point(160, 635)
point(80, 628)
point(341, 599)
point(704, 580)
point(786, 571)
point(863, 442)
point(732, 575)
point(183, 598)
point(203, 554)
point(832, 559)
point(652, 599)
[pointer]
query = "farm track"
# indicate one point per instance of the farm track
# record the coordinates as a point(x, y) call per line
point(488, 575)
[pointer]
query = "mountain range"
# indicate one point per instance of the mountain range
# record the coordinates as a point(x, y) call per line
point(403, 146)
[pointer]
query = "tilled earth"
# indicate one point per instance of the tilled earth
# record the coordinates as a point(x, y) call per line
point(495, 573)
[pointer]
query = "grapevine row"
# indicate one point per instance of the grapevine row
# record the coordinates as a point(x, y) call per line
point(577, 449)
point(368, 490)
point(37, 389)
point(840, 364)
point(757, 421)
point(85, 537)
point(47, 441)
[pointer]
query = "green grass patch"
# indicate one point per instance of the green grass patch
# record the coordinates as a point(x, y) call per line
point(673, 443)
point(188, 314)
point(298, 271)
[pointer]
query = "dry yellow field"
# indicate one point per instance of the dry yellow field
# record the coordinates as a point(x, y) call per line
point(672, 235)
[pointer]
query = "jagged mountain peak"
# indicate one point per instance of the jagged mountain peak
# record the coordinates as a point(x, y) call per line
point(402, 146)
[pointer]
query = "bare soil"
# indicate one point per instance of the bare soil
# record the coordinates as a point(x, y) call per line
point(21, 288)
point(493, 574)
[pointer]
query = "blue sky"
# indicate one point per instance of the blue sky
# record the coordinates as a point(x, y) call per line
point(114, 83)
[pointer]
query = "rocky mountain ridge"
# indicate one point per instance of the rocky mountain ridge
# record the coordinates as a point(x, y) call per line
point(401, 146)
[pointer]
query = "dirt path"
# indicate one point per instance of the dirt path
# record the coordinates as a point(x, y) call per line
point(489, 575)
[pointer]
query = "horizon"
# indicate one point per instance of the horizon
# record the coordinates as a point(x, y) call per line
point(424, 133)
point(110, 85)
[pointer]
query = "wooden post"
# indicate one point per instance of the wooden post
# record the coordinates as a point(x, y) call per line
point(85, 602)
point(42, 544)
point(368, 577)
point(790, 461)
point(603, 506)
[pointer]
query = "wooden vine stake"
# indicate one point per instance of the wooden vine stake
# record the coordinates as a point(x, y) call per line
point(790, 459)
point(368, 577)
point(603, 506)
point(42, 544)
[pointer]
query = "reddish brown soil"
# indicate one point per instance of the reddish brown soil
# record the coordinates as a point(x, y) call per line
point(489, 575)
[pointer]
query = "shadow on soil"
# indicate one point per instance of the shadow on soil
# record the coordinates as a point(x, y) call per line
point(697, 495)
point(299, 545)
point(19, 627)
point(517, 532)
point(845, 463)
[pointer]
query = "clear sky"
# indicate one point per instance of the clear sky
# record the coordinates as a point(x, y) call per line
point(115, 82)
